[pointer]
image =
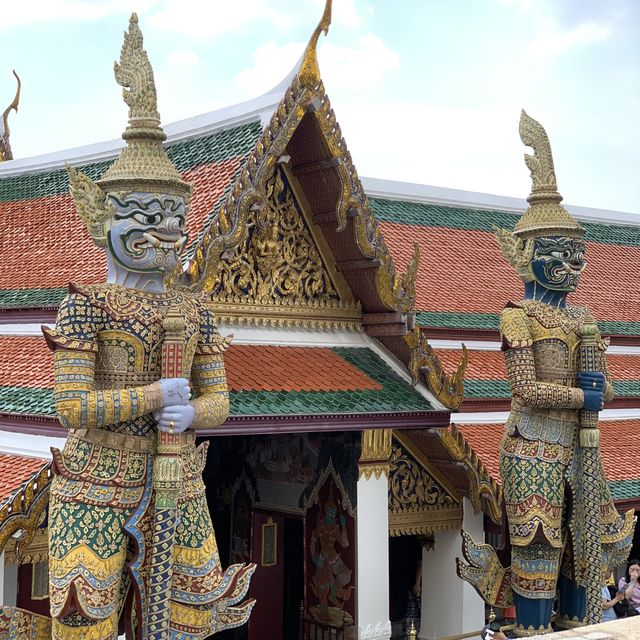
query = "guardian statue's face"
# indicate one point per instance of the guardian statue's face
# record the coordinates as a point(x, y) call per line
point(558, 262)
point(147, 231)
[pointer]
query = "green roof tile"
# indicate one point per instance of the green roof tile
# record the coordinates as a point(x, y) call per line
point(430, 215)
point(223, 145)
point(23, 298)
point(625, 489)
point(25, 400)
point(454, 320)
point(491, 321)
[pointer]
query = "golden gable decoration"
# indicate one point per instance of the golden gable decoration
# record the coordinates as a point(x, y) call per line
point(304, 96)
point(421, 500)
point(276, 264)
point(484, 491)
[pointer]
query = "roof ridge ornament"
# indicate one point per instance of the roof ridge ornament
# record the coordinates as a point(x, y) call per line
point(309, 72)
point(5, 147)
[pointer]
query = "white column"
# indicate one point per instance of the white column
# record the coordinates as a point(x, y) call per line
point(373, 558)
point(8, 583)
point(450, 606)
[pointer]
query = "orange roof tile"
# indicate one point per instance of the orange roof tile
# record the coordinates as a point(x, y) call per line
point(14, 470)
point(451, 258)
point(27, 362)
point(275, 368)
point(619, 446)
point(489, 365)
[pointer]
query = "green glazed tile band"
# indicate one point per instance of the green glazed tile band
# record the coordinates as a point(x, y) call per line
point(223, 145)
point(430, 215)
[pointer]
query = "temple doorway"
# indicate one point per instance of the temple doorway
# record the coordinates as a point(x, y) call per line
point(277, 548)
point(405, 583)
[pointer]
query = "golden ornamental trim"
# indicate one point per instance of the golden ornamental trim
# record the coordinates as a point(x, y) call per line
point(250, 193)
point(309, 72)
point(25, 510)
point(425, 365)
point(5, 132)
point(277, 264)
point(484, 492)
point(37, 551)
point(375, 453)
point(418, 503)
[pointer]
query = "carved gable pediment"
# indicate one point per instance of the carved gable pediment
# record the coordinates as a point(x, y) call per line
point(278, 270)
point(420, 500)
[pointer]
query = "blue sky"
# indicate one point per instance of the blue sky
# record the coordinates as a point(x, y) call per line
point(426, 91)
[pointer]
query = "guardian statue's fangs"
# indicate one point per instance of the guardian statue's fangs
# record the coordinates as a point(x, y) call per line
point(564, 529)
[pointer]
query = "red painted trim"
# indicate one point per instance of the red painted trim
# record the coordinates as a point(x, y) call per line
point(43, 315)
point(257, 425)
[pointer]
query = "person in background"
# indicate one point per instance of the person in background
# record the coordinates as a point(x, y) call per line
point(608, 612)
point(630, 584)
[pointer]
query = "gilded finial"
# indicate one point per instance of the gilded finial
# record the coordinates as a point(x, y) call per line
point(143, 164)
point(543, 176)
point(545, 215)
point(309, 73)
point(5, 147)
point(135, 75)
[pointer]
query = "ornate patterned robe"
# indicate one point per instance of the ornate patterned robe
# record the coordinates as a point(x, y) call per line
point(539, 450)
point(108, 344)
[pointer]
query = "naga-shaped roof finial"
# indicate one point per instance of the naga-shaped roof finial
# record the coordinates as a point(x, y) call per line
point(309, 72)
point(5, 147)
point(545, 215)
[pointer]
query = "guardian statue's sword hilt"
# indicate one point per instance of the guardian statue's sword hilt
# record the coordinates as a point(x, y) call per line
point(590, 465)
point(167, 483)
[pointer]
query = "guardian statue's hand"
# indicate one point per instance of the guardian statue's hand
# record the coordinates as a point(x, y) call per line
point(592, 384)
point(175, 391)
point(591, 380)
point(176, 418)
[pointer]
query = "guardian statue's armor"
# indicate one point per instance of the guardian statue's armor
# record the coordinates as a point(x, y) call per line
point(124, 551)
point(563, 526)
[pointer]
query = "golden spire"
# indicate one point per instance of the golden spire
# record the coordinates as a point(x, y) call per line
point(143, 164)
point(309, 72)
point(5, 147)
point(545, 215)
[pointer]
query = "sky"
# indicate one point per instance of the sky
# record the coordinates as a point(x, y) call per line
point(425, 91)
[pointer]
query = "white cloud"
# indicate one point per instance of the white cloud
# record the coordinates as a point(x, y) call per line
point(183, 59)
point(203, 19)
point(19, 14)
point(365, 63)
point(551, 41)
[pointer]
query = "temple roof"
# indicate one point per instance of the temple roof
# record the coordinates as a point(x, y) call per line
point(14, 470)
point(264, 380)
point(458, 245)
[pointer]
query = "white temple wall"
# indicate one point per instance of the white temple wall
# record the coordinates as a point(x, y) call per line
point(450, 606)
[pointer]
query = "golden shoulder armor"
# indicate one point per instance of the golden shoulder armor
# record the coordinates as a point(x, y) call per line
point(514, 328)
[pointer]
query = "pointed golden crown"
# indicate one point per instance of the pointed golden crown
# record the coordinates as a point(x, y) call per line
point(545, 215)
point(143, 164)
